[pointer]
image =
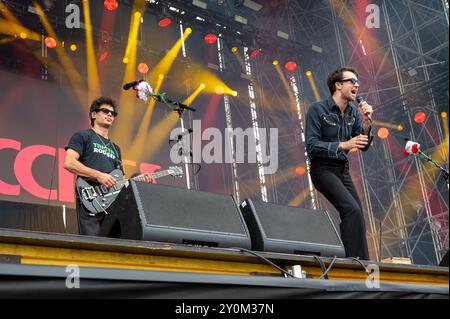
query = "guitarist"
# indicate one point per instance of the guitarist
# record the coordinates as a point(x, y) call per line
point(92, 155)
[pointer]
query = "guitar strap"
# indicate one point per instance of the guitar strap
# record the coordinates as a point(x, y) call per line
point(118, 163)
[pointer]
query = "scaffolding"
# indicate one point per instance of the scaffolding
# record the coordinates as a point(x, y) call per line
point(405, 199)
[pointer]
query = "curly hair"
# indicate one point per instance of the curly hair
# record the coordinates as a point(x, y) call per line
point(95, 106)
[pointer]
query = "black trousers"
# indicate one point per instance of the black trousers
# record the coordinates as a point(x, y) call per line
point(333, 180)
point(87, 224)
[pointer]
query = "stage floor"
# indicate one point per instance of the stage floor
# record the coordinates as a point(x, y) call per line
point(41, 259)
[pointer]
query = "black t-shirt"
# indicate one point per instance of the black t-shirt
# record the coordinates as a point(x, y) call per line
point(96, 151)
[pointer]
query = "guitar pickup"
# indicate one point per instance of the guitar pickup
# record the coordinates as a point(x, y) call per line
point(104, 189)
point(89, 193)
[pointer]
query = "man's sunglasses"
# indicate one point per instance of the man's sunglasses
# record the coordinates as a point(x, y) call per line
point(354, 81)
point(106, 111)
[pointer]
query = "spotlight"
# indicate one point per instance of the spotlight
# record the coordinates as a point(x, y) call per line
point(383, 133)
point(188, 30)
point(275, 62)
point(234, 49)
point(300, 170)
point(143, 68)
point(210, 38)
point(164, 22)
point(308, 73)
point(161, 76)
point(420, 117)
point(103, 56)
point(110, 5)
point(255, 52)
point(50, 42)
point(73, 47)
point(23, 35)
point(399, 127)
point(444, 114)
point(202, 86)
point(125, 60)
point(164, 19)
point(234, 93)
point(290, 65)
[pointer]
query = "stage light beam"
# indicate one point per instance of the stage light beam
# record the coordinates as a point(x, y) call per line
point(122, 133)
point(93, 80)
point(75, 79)
point(313, 85)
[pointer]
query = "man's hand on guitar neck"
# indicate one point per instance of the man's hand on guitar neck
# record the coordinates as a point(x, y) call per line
point(105, 179)
point(146, 178)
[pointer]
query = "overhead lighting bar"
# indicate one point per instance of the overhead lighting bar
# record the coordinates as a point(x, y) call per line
point(283, 35)
point(240, 19)
point(200, 4)
point(317, 49)
point(252, 5)
point(213, 66)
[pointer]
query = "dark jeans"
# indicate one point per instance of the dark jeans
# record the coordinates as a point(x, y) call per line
point(87, 224)
point(333, 180)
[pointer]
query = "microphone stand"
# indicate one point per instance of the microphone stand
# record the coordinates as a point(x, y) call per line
point(179, 108)
point(429, 159)
point(175, 106)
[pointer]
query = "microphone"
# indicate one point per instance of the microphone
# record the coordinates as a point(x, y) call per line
point(132, 85)
point(359, 99)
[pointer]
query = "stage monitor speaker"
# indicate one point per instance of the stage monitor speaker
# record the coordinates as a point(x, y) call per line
point(155, 212)
point(293, 230)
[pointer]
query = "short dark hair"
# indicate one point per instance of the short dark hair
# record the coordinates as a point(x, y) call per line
point(95, 106)
point(336, 76)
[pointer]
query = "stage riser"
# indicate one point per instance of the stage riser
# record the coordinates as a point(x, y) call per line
point(51, 249)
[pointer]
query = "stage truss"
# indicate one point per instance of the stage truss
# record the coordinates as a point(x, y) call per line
point(404, 69)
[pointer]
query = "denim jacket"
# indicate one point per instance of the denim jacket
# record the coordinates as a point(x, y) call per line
point(326, 128)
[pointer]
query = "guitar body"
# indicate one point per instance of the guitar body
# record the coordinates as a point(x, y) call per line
point(95, 197)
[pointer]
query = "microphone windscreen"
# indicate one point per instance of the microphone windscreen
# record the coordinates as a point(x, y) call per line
point(128, 86)
point(359, 98)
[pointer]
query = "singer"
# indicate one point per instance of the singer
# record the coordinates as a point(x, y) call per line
point(333, 127)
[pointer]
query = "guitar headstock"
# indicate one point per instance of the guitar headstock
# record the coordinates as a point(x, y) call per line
point(175, 171)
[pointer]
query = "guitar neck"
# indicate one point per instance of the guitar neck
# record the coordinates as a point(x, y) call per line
point(141, 178)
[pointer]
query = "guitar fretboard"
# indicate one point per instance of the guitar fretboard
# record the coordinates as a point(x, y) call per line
point(141, 178)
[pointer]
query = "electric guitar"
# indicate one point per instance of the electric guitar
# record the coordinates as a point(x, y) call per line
point(96, 198)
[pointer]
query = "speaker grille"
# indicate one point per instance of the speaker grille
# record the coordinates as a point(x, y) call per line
point(306, 225)
point(189, 209)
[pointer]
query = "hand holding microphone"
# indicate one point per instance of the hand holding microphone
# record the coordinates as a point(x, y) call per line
point(364, 107)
